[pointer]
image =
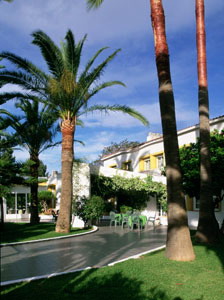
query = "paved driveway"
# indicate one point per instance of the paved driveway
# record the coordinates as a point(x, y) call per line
point(94, 250)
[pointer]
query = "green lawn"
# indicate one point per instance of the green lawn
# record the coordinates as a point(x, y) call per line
point(20, 232)
point(151, 277)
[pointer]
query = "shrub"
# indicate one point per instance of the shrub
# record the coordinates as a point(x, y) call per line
point(124, 209)
point(89, 209)
point(45, 200)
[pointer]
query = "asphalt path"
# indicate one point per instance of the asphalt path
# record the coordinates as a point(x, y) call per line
point(107, 245)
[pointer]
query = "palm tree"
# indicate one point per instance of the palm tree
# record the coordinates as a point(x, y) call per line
point(208, 228)
point(66, 91)
point(178, 245)
point(35, 132)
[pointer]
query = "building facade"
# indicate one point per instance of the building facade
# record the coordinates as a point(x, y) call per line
point(149, 158)
point(146, 158)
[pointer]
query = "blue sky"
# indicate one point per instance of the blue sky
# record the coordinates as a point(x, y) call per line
point(122, 24)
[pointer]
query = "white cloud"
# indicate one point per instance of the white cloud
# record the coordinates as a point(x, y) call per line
point(52, 158)
point(112, 21)
point(150, 111)
point(21, 155)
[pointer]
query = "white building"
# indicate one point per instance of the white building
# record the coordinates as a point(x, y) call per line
point(16, 204)
point(148, 158)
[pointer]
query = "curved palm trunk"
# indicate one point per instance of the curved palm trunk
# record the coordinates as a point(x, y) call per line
point(34, 218)
point(64, 219)
point(178, 245)
point(208, 229)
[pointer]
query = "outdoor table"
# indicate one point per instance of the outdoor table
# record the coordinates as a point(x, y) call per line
point(143, 220)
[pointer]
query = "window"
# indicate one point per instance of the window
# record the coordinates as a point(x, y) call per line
point(21, 203)
point(113, 166)
point(17, 203)
point(127, 166)
point(147, 164)
point(160, 161)
point(196, 203)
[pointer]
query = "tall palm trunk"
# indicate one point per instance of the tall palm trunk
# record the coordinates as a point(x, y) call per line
point(64, 219)
point(208, 229)
point(34, 219)
point(2, 213)
point(178, 245)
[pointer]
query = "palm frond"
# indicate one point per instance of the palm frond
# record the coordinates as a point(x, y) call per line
point(92, 4)
point(79, 122)
point(80, 142)
point(69, 50)
point(6, 112)
point(22, 79)
point(4, 97)
point(25, 65)
point(72, 52)
point(120, 108)
point(96, 73)
point(90, 63)
point(50, 146)
point(77, 58)
point(104, 85)
point(51, 53)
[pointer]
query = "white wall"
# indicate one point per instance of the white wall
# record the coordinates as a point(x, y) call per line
point(110, 172)
point(193, 217)
point(185, 136)
point(81, 180)
point(134, 155)
point(81, 187)
point(55, 179)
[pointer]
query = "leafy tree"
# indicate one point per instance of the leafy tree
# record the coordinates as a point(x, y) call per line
point(190, 165)
point(42, 169)
point(114, 147)
point(35, 132)
point(132, 192)
point(9, 168)
point(66, 91)
point(179, 245)
point(89, 209)
point(45, 199)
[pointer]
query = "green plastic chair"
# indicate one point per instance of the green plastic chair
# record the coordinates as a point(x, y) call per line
point(125, 218)
point(135, 221)
point(113, 219)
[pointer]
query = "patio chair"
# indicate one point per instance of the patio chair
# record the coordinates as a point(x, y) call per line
point(152, 219)
point(125, 218)
point(113, 219)
point(55, 216)
point(136, 220)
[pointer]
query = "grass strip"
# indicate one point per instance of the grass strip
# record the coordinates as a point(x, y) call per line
point(23, 232)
